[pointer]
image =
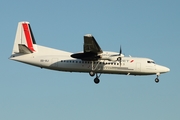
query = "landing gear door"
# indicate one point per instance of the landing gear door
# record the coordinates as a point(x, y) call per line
point(138, 66)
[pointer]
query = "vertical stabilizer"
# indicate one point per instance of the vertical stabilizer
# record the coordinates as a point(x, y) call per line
point(24, 37)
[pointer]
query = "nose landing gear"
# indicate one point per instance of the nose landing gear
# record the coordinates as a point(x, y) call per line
point(157, 79)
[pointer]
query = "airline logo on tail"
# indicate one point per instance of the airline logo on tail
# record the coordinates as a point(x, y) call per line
point(29, 36)
point(24, 41)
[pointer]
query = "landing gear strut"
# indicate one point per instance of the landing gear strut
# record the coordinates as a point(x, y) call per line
point(92, 72)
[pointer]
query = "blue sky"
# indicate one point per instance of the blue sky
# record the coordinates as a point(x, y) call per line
point(143, 28)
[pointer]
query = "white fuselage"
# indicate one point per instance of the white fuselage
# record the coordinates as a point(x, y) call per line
point(92, 59)
point(62, 61)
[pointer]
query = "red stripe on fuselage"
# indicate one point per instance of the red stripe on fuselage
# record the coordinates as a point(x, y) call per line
point(28, 36)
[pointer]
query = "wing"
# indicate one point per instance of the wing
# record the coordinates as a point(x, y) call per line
point(90, 45)
point(91, 49)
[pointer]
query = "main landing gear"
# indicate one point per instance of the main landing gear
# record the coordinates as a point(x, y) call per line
point(94, 66)
point(96, 79)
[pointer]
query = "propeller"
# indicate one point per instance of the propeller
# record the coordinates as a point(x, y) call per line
point(119, 56)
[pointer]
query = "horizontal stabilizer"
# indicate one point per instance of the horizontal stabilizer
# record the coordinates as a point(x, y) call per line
point(24, 49)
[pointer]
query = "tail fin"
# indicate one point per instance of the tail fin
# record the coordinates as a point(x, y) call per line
point(24, 40)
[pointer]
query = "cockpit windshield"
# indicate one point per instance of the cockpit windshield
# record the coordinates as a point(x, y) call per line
point(150, 62)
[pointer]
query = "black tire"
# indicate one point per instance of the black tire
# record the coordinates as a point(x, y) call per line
point(91, 73)
point(96, 80)
point(156, 80)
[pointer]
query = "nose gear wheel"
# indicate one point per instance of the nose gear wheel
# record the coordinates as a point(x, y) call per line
point(156, 80)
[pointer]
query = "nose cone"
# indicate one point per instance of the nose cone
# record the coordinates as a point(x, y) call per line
point(162, 69)
point(167, 69)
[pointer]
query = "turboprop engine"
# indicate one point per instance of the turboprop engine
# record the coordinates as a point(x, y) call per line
point(115, 57)
point(111, 57)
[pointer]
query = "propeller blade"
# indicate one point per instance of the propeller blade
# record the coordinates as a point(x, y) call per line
point(120, 51)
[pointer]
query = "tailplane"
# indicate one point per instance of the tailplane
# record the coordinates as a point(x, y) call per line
point(24, 41)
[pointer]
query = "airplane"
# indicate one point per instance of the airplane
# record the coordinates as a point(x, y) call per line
point(92, 59)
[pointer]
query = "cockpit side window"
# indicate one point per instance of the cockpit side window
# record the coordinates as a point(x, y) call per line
point(150, 62)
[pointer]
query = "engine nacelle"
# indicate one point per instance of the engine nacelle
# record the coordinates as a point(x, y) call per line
point(110, 58)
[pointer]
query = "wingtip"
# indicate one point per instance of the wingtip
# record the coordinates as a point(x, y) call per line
point(88, 35)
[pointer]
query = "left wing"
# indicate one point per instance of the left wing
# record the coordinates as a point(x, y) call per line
point(91, 49)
